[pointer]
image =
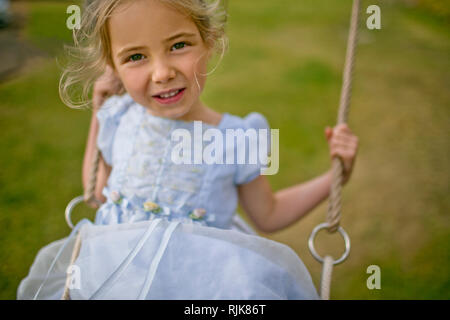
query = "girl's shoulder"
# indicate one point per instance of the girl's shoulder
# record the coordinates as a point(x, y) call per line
point(114, 106)
point(251, 124)
point(109, 116)
point(253, 120)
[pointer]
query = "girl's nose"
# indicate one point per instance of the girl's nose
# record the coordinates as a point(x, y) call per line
point(162, 72)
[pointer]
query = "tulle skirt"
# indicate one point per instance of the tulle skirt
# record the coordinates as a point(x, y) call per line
point(161, 259)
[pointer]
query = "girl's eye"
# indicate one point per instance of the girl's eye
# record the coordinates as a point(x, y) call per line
point(179, 45)
point(135, 57)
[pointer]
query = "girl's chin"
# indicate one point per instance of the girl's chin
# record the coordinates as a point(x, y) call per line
point(173, 113)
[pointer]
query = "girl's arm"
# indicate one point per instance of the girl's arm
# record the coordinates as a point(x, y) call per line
point(106, 85)
point(103, 169)
point(271, 212)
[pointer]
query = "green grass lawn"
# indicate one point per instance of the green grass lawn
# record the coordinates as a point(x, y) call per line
point(285, 61)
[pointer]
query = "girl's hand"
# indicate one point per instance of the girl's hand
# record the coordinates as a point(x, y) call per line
point(106, 85)
point(343, 144)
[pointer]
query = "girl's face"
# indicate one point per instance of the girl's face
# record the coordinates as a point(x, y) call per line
point(160, 56)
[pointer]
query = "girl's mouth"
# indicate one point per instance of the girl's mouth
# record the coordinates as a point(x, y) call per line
point(170, 97)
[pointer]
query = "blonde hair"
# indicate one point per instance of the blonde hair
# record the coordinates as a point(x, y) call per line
point(91, 52)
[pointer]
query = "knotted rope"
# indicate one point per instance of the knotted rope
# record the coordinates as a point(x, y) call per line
point(75, 252)
point(89, 192)
point(334, 206)
point(325, 283)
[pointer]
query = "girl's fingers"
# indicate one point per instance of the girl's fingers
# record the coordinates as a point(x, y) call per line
point(328, 133)
point(343, 128)
point(343, 133)
point(342, 153)
point(344, 144)
point(344, 139)
point(346, 154)
point(340, 131)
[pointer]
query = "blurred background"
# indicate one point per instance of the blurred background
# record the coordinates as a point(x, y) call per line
point(285, 60)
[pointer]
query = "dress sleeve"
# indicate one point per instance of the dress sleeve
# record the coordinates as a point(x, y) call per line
point(109, 116)
point(249, 170)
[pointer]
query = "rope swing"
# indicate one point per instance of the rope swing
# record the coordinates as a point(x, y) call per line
point(334, 208)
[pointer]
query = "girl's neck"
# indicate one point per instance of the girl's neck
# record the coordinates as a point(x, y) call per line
point(204, 114)
point(201, 113)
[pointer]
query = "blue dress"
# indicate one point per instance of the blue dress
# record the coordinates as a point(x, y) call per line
point(166, 229)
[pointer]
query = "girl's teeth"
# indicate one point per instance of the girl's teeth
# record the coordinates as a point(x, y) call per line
point(168, 95)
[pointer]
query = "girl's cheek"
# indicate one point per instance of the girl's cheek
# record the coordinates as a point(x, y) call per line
point(196, 68)
point(202, 65)
point(134, 80)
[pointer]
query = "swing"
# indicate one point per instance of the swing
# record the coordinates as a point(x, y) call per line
point(334, 207)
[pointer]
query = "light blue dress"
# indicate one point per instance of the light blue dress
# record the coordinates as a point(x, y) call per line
point(166, 229)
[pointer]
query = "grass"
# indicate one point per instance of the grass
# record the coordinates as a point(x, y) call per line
point(285, 60)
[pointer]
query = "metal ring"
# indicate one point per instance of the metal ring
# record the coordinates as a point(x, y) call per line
point(313, 250)
point(70, 207)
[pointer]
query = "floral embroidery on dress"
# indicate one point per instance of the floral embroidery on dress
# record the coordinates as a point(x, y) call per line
point(116, 197)
point(197, 214)
point(150, 206)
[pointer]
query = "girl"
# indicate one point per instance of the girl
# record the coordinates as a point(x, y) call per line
point(163, 230)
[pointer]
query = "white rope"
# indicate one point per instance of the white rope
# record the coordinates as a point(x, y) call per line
point(334, 207)
point(325, 282)
point(75, 252)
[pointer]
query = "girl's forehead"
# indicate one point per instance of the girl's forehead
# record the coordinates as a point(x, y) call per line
point(143, 16)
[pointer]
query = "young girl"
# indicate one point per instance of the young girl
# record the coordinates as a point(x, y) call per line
point(164, 228)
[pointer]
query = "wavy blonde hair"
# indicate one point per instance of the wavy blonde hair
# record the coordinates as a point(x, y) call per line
point(91, 52)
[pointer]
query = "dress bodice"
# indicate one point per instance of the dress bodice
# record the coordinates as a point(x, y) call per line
point(147, 179)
